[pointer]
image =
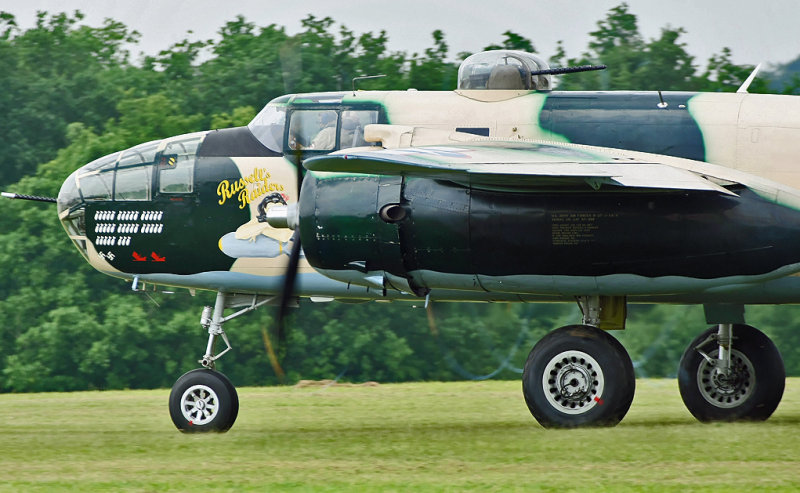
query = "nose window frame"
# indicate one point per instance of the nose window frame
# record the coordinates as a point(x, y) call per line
point(176, 166)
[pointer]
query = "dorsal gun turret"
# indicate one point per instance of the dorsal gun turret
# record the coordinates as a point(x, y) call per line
point(504, 69)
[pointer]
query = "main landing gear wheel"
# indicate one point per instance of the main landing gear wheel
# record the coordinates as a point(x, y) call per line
point(203, 400)
point(751, 390)
point(578, 375)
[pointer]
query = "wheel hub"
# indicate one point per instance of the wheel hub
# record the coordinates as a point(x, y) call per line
point(573, 382)
point(726, 389)
point(199, 404)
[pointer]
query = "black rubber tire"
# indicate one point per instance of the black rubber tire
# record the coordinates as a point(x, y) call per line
point(747, 404)
point(197, 385)
point(559, 353)
point(234, 400)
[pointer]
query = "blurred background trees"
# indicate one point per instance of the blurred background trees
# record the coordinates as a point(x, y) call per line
point(70, 93)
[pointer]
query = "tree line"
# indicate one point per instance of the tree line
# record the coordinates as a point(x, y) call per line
point(72, 93)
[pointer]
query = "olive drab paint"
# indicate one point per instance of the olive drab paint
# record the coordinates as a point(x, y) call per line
point(211, 225)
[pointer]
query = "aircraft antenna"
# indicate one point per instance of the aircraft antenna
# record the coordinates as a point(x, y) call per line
point(749, 80)
point(362, 77)
point(663, 104)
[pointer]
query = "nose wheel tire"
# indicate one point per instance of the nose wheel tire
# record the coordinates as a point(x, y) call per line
point(578, 376)
point(751, 390)
point(203, 400)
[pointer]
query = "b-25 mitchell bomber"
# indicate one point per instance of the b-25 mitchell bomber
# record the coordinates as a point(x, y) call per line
point(503, 190)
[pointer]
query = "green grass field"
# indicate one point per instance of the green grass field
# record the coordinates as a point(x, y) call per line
point(400, 437)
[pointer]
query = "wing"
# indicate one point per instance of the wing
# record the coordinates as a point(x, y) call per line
point(521, 166)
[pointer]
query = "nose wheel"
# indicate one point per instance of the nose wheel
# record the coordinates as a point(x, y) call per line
point(203, 400)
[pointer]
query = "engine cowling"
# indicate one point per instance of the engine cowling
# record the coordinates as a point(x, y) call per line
point(437, 234)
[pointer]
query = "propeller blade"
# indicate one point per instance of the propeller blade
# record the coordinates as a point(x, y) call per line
point(288, 286)
point(294, 261)
point(273, 358)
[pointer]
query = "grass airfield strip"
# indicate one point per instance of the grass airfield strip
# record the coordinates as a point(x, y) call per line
point(418, 436)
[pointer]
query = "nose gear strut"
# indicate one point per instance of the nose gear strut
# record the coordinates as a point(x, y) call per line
point(204, 399)
point(212, 319)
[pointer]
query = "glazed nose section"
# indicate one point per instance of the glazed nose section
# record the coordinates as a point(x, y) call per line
point(122, 176)
point(69, 197)
point(72, 212)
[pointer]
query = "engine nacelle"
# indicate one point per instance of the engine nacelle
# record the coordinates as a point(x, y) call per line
point(436, 234)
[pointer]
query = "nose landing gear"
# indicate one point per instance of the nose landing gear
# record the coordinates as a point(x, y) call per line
point(204, 399)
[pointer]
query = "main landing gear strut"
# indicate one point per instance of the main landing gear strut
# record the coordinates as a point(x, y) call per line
point(204, 399)
point(579, 375)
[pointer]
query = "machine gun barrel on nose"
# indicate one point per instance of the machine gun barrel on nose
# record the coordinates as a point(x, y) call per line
point(35, 198)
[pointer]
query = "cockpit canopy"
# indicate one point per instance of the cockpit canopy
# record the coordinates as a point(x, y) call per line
point(504, 69)
point(314, 124)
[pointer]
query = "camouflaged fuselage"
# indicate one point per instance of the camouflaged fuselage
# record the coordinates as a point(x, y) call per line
point(202, 230)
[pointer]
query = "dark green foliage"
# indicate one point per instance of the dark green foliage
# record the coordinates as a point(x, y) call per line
point(513, 41)
point(433, 72)
point(70, 94)
point(54, 74)
point(658, 64)
point(786, 78)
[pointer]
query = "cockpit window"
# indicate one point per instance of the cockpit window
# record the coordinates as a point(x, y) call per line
point(327, 130)
point(176, 166)
point(352, 131)
point(313, 129)
point(268, 126)
point(134, 172)
point(123, 175)
point(104, 162)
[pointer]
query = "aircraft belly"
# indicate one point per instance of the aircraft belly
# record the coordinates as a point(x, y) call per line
point(677, 289)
